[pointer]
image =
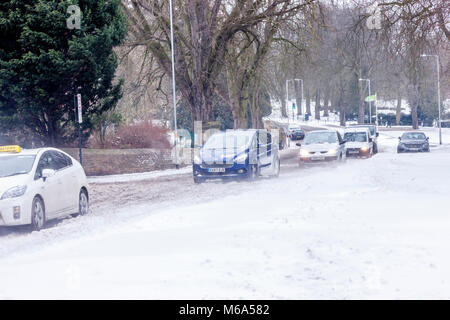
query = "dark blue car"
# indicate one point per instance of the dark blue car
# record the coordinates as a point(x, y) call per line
point(237, 154)
point(414, 141)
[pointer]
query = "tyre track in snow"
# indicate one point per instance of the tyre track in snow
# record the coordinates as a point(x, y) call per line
point(111, 204)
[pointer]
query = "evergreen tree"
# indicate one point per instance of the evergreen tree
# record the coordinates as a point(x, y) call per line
point(44, 63)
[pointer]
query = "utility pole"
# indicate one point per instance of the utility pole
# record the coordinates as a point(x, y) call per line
point(174, 88)
point(438, 93)
point(79, 116)
point(287, 99)
point(370, 105)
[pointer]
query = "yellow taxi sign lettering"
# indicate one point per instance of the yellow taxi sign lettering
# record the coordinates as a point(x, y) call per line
point(15, 149)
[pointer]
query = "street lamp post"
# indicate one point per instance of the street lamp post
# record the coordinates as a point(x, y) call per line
point(370, 105)
point(174, 88)
point(438, 92)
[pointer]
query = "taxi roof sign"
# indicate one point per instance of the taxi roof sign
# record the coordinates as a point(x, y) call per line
point(14, 149)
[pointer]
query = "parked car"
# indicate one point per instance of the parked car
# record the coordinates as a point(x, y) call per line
point(373, 134)
point(358, 142)
point(39, 185)
point(321, 146)
point(414, 141)
point(296, 133)
point(237, 154)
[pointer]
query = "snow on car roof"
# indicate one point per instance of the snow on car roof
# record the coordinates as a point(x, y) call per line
point(25, 152)
point(239, 132)
point(358, 129)
point(361, 125)
point(22, 152)
point(324, 130)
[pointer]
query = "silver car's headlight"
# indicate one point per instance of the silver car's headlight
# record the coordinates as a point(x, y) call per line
point(14, 192)
point(365, 149)
point(332, 151)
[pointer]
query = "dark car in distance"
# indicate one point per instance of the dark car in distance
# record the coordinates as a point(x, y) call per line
point(413, 142)
point(296, 133)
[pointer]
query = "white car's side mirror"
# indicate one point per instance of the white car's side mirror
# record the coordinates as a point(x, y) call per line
point(47, 173)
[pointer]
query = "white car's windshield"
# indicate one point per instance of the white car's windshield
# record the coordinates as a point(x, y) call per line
point(227, 141)
point(355, 137)
point(15, 165)
point(321, 137)
point(413, 136)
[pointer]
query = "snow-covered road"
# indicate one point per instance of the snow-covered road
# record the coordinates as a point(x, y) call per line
point(375, 228)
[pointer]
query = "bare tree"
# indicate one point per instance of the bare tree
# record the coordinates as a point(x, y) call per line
point(202, 33)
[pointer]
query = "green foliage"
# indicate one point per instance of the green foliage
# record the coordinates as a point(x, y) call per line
point(43, 64)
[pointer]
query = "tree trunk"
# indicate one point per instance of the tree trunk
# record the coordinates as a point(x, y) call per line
point(341, 114)
point(51, 131)
point(298, 97)
point(308, 101)
point(243, 113)
point(362, 103)
point(414, 103)
point(283, 105)
point(317, 105)
point(341, 108)
point(256, 119)
point(399, 110)
point(325, 102)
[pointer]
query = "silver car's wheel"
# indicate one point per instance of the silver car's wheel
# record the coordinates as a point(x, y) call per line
point(83, 203)
point(37, 214)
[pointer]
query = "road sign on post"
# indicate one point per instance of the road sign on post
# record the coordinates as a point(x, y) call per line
point(80, 109)
point(80, 121)
point(371, 98)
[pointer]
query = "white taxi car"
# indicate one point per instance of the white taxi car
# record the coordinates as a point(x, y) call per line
point(39, 185)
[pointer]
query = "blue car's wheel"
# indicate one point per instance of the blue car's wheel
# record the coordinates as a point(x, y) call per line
point(198, 180)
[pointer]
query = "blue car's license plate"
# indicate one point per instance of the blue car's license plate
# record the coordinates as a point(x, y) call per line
point(215, 170)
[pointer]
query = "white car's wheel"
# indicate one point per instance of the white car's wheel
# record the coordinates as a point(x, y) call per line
point(83, 207)
point(37, 214)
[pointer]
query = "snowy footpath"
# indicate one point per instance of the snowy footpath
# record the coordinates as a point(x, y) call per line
point(367, 229)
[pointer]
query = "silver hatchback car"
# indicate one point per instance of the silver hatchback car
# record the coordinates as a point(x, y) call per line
point(322, 146)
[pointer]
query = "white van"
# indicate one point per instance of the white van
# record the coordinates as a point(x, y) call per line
point(359, 142)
